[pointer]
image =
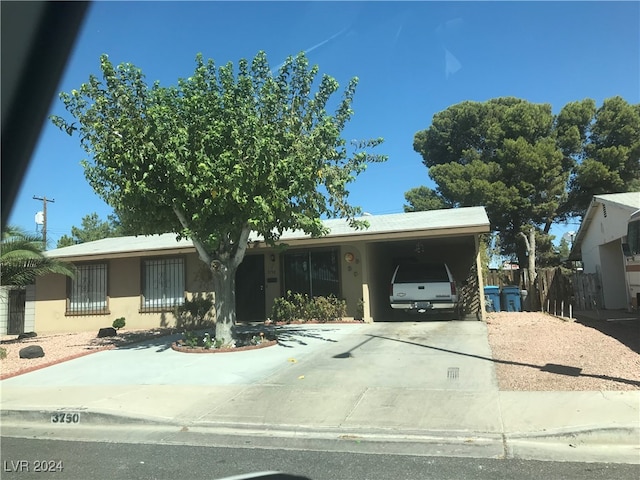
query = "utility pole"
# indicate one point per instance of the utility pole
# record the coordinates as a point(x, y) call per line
point(44, 220)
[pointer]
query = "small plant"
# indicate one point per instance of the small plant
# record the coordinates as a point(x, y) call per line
point(190, 339)
point(206, 341)
point(118, 323)
point(3, 353)
point(258, 339)
point(219, 342)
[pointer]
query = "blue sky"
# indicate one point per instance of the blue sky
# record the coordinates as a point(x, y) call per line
point(413, 60)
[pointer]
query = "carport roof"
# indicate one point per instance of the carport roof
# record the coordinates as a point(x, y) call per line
point(455, 221)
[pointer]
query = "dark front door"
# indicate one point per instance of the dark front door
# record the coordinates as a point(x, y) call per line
point(17, 299)
point(250, 289)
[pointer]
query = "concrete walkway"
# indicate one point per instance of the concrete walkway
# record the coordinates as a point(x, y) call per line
point(406, 383)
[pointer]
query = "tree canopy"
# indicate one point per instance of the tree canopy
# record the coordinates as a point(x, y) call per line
point(611, 156)
point(22, 259)
point(92, 228)
point(528, 166)
point(222, 153)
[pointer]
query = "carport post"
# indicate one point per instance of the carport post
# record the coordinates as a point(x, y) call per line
point(364, 269)
point(480, 277)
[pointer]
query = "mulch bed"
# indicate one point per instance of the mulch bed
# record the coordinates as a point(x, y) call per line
point(184, 349)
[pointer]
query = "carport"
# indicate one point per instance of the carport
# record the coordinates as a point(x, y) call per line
point(458, 252)
point(368, 257)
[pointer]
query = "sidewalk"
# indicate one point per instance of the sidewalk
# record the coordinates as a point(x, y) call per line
point(310, 390)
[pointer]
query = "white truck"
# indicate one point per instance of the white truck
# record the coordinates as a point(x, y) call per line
point(427, 288)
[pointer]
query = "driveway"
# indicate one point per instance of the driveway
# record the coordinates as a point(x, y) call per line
point(437, 355)
point(428, 385)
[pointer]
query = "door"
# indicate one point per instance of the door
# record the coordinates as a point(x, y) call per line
point(17, 300)
point(250, 297)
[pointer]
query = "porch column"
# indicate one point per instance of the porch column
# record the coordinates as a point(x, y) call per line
point(366, 281)
point(480, 277)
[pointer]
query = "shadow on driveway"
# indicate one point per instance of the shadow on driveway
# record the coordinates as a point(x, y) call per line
point(549, 367)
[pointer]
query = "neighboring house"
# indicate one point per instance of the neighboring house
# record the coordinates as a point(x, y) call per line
point(598, 244)
point(17, 309)
point(143, 278)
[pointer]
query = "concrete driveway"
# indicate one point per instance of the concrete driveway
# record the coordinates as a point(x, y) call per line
point(435, 355)
point(417, 387)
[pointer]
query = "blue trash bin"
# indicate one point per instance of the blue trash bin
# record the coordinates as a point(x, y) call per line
point(511, 299)
point(492, 294)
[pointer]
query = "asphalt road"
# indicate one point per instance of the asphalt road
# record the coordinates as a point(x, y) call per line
point(100, 460)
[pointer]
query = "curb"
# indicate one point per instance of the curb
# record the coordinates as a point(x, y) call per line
point(604, 435)
point(610, 444)
point(42, 416)
point(55, 362)
point(184, 349)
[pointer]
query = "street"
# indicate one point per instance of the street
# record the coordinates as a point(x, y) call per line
point(103, 460)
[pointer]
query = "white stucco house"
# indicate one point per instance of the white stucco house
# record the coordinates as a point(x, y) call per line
point(598, 244)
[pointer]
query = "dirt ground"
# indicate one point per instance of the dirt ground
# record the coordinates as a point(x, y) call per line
point(536, 351)
point(532, 351)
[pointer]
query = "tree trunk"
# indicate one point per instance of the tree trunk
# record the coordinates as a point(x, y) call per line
point(225, 300)
point(530, 242)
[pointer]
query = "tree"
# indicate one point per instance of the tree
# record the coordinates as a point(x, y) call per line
point(22, 259)
point(502, 154)
point(611, 157)
point(93, 229)
point(564, 249)
point(423, 198)
point(221, 154)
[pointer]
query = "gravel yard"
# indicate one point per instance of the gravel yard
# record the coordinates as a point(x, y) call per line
point(533, 351)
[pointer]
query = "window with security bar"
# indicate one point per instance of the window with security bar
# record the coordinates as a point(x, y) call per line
point(88, 290)
point(314, 272)
point(162, 283)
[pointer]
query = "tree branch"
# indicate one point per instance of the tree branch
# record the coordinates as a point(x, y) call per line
point(526, 241)
point(242, 246)
point(202, 252)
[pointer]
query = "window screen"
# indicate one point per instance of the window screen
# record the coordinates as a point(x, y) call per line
point(88, 289)
point(163, 283)
point(314, 273)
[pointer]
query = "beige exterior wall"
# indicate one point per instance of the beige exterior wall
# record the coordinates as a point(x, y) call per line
point(273, 282)
point(124, 290)
point(351, 275)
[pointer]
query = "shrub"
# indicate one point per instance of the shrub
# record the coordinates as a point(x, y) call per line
point(3, 353)
point(118, 323)
point(190, 339)
point(283, 310)
point(298, 306)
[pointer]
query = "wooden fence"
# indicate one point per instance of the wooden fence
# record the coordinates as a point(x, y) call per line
point(556, 291)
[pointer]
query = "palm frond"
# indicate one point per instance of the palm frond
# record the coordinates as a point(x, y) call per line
point(22, 259)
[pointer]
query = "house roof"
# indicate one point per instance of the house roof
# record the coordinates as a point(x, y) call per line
point(629, 201)
point(457, 221)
